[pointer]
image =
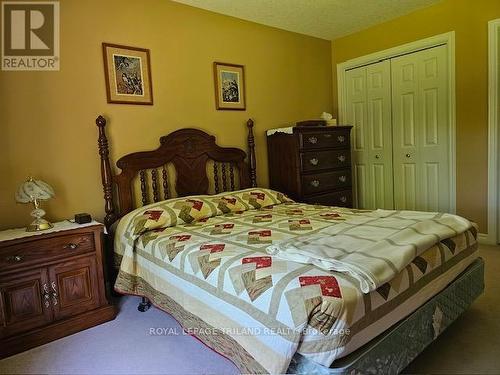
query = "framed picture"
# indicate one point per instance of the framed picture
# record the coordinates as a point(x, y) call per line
point(128, 74)
point(229, 86)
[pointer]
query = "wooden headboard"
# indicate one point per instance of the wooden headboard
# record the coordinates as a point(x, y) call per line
point(188, 152)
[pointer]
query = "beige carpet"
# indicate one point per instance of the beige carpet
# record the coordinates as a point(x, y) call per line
point(471, 345)
point(124, 346)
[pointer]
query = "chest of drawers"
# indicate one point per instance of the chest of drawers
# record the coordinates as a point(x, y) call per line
point(312, 164)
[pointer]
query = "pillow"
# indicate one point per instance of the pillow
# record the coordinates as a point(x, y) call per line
point(260, 198)
point(173, 212)
point(227, 203)
point(190, 209)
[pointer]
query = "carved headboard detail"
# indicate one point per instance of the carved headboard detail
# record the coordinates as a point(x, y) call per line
point(190, 152)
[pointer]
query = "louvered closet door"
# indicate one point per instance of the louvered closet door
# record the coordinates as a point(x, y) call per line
point(369, 111)
point(420, 130)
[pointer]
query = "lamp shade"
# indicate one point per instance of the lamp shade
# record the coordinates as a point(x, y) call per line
point(32, 190)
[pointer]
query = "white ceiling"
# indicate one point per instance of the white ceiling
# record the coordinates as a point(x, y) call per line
point(327, 19)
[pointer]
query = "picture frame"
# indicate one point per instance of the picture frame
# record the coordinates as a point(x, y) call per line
point(127, 73)
point(229, 82)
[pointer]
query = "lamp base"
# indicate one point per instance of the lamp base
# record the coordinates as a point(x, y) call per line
point(38, 225)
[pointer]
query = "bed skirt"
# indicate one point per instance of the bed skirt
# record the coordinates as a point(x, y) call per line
point(393, 350)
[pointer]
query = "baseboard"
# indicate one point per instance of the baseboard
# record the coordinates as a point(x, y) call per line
point(485, 239)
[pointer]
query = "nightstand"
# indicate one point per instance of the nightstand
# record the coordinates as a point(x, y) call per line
point(51, 284)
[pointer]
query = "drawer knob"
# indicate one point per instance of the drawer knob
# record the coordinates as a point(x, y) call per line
point(342, 178)
point(315, 183)
point(341, 138)
point(314, 161)
point(341, 158)
point(343, 199)
point(313, 140)
point(71, 246)
point(14, 258)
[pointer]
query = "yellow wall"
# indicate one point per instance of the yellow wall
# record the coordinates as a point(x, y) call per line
point(469, 20)
point(47, 118)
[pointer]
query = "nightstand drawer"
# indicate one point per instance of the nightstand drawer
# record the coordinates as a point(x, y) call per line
point(313, 140)
point(320, 182)
point(318, 160)
point(42, 250)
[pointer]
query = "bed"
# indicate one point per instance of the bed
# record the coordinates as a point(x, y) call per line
point(196, 246)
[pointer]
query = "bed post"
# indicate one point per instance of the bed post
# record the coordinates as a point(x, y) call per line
point(251, 154)
point(106, 176)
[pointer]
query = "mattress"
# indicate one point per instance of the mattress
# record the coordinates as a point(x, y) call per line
point(215, 277)
point(422, 291)
point(393, 350)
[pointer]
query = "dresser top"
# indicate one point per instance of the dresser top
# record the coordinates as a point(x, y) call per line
point(13, 234)
point(304, 129)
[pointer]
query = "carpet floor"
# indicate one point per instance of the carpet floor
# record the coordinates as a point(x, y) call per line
point(127, 346)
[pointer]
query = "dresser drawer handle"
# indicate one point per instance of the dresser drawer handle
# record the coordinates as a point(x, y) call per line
point(314, 161)
point(343, 199)
point(54, 293)
point(313, 140)
point(341, 158)
point(46, 295)
point(71, 246)
point(14, 258)
point(342, 178)
point(315, 183)
point(341, 138)
point(327, 135)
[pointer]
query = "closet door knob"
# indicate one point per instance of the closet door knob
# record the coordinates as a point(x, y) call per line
point(377, 156)
point(408, 155)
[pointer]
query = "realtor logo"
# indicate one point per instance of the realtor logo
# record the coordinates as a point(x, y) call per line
point(30, 35)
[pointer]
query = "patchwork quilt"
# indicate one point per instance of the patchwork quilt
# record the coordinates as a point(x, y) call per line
point(372, 247)
point(203, 259)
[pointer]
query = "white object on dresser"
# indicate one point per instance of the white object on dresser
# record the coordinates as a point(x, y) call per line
point(12, 234)
point(287, 130)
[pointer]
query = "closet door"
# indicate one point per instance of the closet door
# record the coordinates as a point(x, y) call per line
point(421, 130)
point(369, 111)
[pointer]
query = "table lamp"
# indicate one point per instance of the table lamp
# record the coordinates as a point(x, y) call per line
point(34, 191)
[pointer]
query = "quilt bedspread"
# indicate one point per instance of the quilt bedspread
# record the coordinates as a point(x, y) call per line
point(211, 271)
point(374, 253)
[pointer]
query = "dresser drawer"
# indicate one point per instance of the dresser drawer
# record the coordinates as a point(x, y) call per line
point(41, 250)
point(338, 198)
point(320, 182)
point(318, 160)
point(325, 139)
